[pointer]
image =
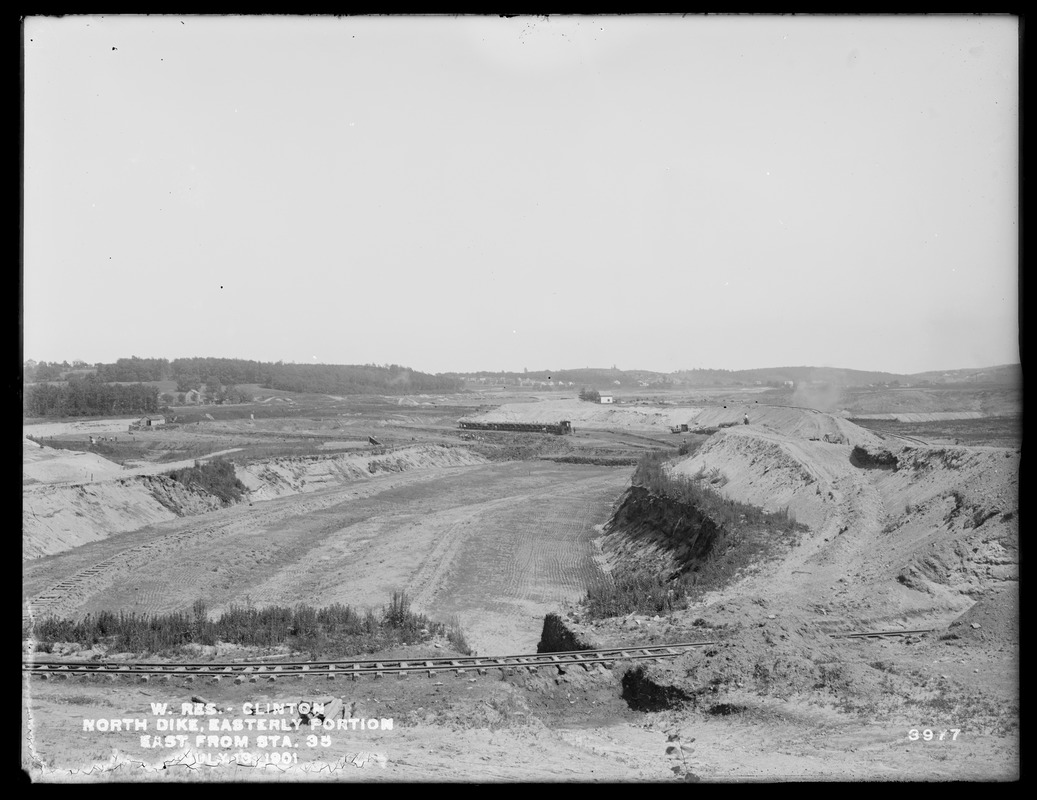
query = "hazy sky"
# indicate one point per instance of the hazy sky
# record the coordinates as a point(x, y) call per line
point(459, 194)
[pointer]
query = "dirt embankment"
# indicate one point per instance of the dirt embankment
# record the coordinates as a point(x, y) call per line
point(60, 517)
point(900, 537)
point(656, 532)
point(952, 519)
point(283, 476)
point(557, 637)
point(771, 471)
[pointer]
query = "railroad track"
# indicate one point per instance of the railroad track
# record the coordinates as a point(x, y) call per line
point(356, 668)
point(880, 634)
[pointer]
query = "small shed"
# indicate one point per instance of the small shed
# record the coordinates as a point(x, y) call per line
point(605, 399)
point(147, 423)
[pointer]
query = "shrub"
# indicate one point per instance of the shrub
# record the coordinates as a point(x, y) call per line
point(215, 476)
point(638, 590)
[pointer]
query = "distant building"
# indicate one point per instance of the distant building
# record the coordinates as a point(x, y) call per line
point(605, 399)
point(193, 396)
point(147, 423)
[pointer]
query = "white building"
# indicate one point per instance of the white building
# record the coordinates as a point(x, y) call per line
point(605, 399)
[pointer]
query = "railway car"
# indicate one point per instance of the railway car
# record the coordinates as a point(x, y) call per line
point(558, 428)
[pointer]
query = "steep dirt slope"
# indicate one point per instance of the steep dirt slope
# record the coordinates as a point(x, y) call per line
point(901, 537)
point(49, 465)
point(909, 532)
point(59, 517)
point(54, 466)
point(282, 476)
point(795, 423)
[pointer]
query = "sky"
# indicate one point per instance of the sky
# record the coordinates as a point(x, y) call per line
point(457, 194)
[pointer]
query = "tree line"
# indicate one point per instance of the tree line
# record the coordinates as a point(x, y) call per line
point(89, 397)
point(193, 373)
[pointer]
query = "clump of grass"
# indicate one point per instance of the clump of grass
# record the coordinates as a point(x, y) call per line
point(652, 474)
point(640, 591)
point(325, 632)
point(455, 635)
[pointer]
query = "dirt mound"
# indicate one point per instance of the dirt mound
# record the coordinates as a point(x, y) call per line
point(764, 471)
point(934, 416)
point(760, 649)
point(798, 423)
point(49, 465)
point(283, 476)
point(593, 416)
point(986, 478)
point(994, 620)
point(59, 518)
point(769, 651)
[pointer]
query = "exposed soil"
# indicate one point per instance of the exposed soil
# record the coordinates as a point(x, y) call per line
point(459, 540)
point(901, 535)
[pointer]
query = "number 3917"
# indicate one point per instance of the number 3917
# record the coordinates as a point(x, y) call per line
point(928, 735)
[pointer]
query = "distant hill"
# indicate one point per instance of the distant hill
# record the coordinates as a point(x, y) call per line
point(394, 379)
point(192, 373)
point(1009, 376)
point(586, 376)
point(1003, 375)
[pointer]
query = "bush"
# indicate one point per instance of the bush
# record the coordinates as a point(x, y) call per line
point(215, 476)
point(634, 591)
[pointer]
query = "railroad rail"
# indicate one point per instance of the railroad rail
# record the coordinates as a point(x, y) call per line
point(356, 668)
point(880, 634)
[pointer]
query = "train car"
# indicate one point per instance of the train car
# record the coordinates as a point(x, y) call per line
point(558, 428)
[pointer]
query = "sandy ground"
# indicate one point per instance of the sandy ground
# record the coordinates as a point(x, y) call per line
point(495, 728)
point(50, 465)
point(93, 426)
point(869, 527)
point(932, 416)
point(799, 423)
point(932, 543)
point(497, 545)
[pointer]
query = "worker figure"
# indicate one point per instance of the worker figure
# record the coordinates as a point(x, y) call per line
point(745, 420)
